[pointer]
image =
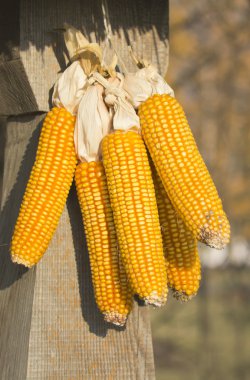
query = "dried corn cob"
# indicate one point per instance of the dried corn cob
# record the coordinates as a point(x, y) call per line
point(113, 293)
point(182, 170)
point(180, 246)
point(47, 188)
point(136, 217)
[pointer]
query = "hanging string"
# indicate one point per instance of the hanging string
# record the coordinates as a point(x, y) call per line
point(125, 116)
point(106, 21)
point(108, 30)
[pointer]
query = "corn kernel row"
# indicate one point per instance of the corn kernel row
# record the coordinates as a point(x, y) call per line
point(136, 218)
point(180, 246)
point(47, 188)
point(182, 170)
point(112, 291)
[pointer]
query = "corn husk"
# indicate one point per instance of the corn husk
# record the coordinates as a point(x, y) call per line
point(69, 88)
point(93, 122)
point(88, 54)
point(117, 100)
point(158, 83)
point(144, 83)
point(86, 58)
point(138, 89)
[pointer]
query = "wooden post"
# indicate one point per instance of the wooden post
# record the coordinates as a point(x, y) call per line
point(50, 327)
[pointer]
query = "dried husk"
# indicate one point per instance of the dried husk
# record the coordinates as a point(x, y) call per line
point(72, 84)
point(69, 88)
point(103, 106)
point(158, 83)
point(138, 89)
point(84, 97)
point(144, 83)
point(124, 115)
point(93, 122)
point(89, 54)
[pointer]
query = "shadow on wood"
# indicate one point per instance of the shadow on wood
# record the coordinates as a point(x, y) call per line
point(3, 122)
point(9, 272)
point(90, 311)
point(140, 16)
point(16, 282)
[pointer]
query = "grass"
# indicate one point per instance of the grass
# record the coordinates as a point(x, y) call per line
point(207, 338)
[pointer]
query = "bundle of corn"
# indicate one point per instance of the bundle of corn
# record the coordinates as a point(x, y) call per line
point(188, 203)
point(133, 199)
point(112, 291)
point(63, 140)
point(52, 172)
point(182, 170)
point(180, 246)
point(142, 215)
point(176, 157)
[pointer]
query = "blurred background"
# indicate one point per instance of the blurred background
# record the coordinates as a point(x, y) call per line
point(209, 337)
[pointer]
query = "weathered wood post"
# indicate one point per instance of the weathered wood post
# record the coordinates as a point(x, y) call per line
point(50, 327)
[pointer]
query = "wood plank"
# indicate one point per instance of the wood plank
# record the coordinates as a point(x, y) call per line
point(50, 325)
point(16, 96)
point(3, 122)
point(26, 84)
point(49, 321)
point(9, 30)
point(16, 283)
point(68, 338)
point(144, 24)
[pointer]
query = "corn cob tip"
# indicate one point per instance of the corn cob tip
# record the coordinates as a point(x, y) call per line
point(115, 318)
point(19, 260)
point(182, 296)
point(155, 300)
point(213, 239)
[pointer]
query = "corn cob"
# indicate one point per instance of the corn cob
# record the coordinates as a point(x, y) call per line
point(180, 246)
point(136, 217)
point(113, 293)
point(47, 188)
point(182, 170)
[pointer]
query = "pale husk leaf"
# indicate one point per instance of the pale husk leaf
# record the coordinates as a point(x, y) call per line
point(92, 124)
point(158, 83)
point(138, 89)
point(125, 116)
point(79, 48)
point(116, 99)
point(74, 40)
point(144, 83)
point(69, 88)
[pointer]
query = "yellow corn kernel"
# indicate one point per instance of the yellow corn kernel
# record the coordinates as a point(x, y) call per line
point(182, 170)
point(112, 292)
point(47, 188)
point(180, 247)
point(135, 214)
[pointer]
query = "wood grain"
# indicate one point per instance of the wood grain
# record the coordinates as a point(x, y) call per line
point(50, 327)
point(9, 30)
point(16, 96)
point(68, 338)
point(144, 24)
point(35, 51)
point(3, 122)
point(16, 283)
point(49, 320)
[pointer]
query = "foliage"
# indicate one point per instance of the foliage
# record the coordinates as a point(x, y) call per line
point(206, 338)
